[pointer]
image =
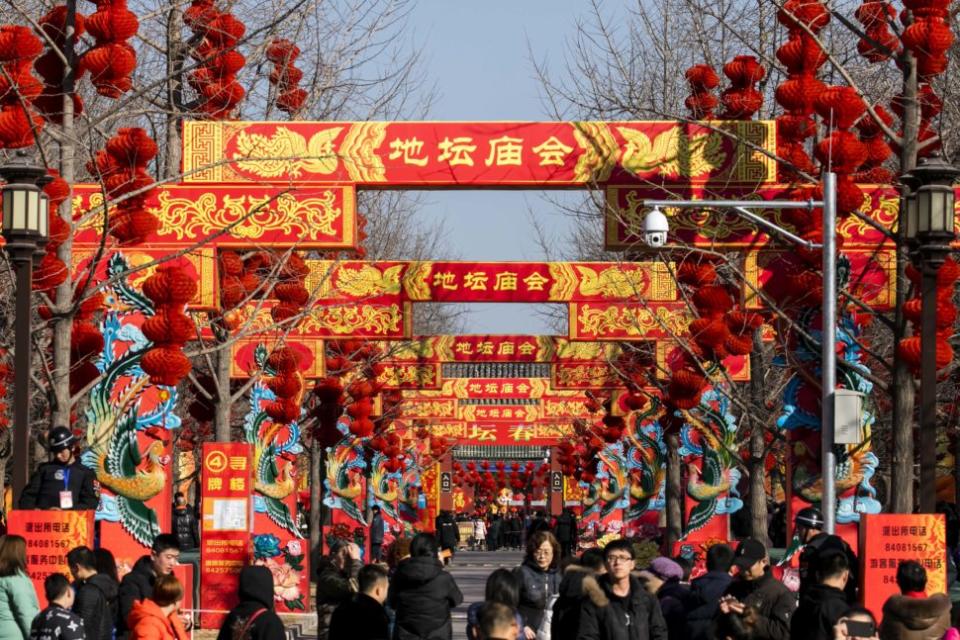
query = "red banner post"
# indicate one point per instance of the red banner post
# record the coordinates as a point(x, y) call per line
point(227, 523)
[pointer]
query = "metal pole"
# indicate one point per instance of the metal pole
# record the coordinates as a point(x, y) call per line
point(23, 263)
point(928, 389)
point(828, 350)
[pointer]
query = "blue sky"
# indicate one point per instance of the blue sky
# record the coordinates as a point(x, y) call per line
point(477, 56)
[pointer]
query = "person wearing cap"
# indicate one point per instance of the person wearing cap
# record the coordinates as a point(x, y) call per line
point(336, 582)
point(808, 527)
point(755, 589)
point(629, 613)
point(662, 581)
point(63, 483)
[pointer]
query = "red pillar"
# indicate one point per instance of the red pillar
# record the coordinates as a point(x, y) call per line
point(555, 486)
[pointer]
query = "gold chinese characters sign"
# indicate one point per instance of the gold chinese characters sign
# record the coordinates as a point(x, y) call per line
point(480, 154)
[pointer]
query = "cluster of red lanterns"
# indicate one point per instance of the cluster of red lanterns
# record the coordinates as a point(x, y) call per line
point(215, 79)
point(290, 291)
point(238, 280)
point(928, 36)
point(578, 457)
point(874, 139)
point(285, 76)
point(122, 168)
point(909, 348)
point(50, 272)
point(86, 343)
point(436, 446)
point(51, 66)
point(287, 385)
point(170, 288)
point(362, 390)
point(487, 478)
point(878, 43)
point(802, 56)
point(742, 99)
point(19, 47)
point(701, 102)
point(718, 332)
point(842, 151)
point(112, 60)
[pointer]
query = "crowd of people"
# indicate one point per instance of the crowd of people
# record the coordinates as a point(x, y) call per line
point(551, 595)
point(600, 595)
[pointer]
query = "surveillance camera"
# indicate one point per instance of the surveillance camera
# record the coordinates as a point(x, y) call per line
point(655, 228)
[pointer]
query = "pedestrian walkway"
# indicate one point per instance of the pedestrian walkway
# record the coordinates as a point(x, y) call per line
point(470, 569)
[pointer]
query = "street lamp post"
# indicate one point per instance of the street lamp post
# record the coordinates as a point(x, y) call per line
point(25, 220)
point(828, 350)
point(929, 217)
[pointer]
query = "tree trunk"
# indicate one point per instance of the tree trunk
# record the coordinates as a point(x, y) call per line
point(62, 325)
point(674, 494)
point(902, 467)
point(317, 473)
point(758, 489)
point(175, 60)
point(222, 415)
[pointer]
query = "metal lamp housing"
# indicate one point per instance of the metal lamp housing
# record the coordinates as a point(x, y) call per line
point(935, 208)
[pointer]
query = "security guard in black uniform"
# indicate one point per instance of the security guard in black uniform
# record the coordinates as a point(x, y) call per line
point(63, 483)
point(808, 525)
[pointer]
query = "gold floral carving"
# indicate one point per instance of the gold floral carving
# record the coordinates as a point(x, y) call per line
point(613, 282)
point(885, 214)
point(360, 151)
point(622, 321)
point(247, 216)
point(367, 280)
point(600, 152)
point(398, 375)
point(286, 153)
point(582, 375)
point(585, 351)
point(673, 153)
point(429, 409)
point(564, 408)
point(416, 280)
point(345, 320)
point(553, 431)
point(564, 280)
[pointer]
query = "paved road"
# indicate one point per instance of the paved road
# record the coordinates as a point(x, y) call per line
point(470, 569)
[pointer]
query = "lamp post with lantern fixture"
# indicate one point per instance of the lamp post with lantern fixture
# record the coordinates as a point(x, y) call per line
point(25, 229)
point(929, 217)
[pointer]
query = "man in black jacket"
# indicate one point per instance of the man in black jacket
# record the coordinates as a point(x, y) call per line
point(566, 532)
point(706, 590)
point(363, 616)
point(630, 612)
point(823, 604)
point(253, 618)
point(376, 535)
point(578, 584)
point(448, 534)
point(63, 483)
point(185, 524)
point(138, 584)
point(96, 595)
point(809, 530)
point(756, 589)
